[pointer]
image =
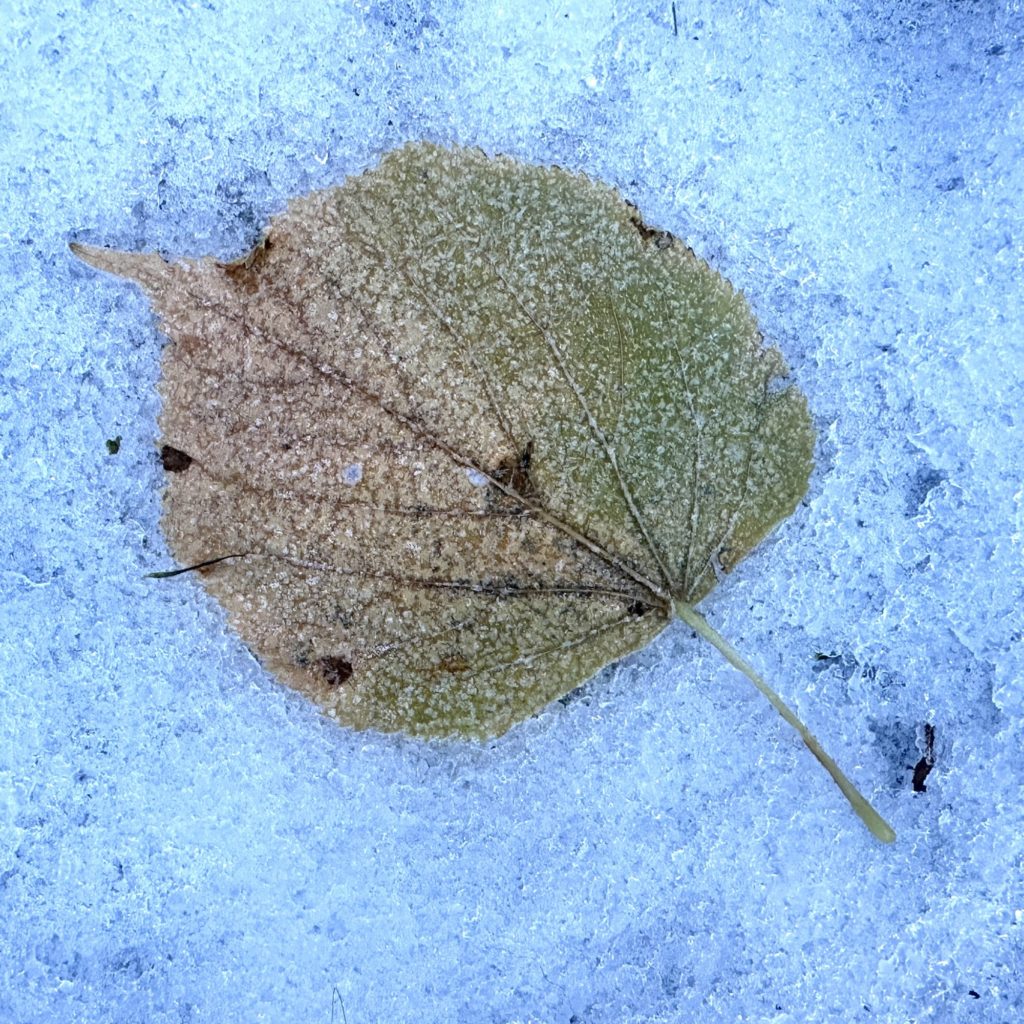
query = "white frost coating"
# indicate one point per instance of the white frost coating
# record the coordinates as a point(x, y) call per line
point(352, 474)
point(475, 477)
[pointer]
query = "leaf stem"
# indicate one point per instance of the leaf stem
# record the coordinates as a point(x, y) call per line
point(877, 825)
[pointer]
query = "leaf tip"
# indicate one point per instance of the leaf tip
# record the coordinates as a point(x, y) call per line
point(145, 268)
point(86, 253)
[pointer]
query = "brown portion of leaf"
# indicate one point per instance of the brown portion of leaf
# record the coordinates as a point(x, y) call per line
point(174, 460)
point(474, 425)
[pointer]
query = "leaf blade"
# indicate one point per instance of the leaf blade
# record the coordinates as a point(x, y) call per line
point(445, 318)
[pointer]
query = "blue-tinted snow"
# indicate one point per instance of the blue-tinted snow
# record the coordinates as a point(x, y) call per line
point(183, 841)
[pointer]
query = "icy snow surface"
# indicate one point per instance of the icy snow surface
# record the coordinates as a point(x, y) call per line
point(182, 840)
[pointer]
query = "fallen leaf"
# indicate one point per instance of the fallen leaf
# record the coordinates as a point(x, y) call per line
point(460, 432)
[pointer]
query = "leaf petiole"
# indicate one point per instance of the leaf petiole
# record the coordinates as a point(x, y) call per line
point(877, 825)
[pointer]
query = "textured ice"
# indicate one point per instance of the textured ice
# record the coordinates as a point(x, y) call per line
point(183, 840)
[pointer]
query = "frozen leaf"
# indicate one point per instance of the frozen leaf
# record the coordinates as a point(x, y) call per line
point(460, 432)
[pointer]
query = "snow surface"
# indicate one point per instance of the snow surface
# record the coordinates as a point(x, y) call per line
point(182, 840)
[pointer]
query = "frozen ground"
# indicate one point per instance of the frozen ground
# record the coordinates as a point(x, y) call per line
point(183, 841)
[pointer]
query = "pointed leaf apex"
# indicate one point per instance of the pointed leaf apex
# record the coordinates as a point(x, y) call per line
point(145, 268)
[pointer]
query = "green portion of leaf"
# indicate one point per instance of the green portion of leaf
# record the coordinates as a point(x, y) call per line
point(476, 428)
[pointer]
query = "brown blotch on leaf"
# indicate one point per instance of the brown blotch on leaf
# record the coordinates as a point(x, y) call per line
point(660, 239)
point(245, 272)
point(174, 460)
point(334, 670)
point(454, 663)
point(514, 473)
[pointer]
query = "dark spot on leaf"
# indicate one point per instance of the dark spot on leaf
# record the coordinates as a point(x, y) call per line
point(114, 445)
point(638, 608)
point(728, 557)
point(174, 460)
point(514, 472)
point(454, 663)
point(335, 670)
point(245, 272)
point(660, 239)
